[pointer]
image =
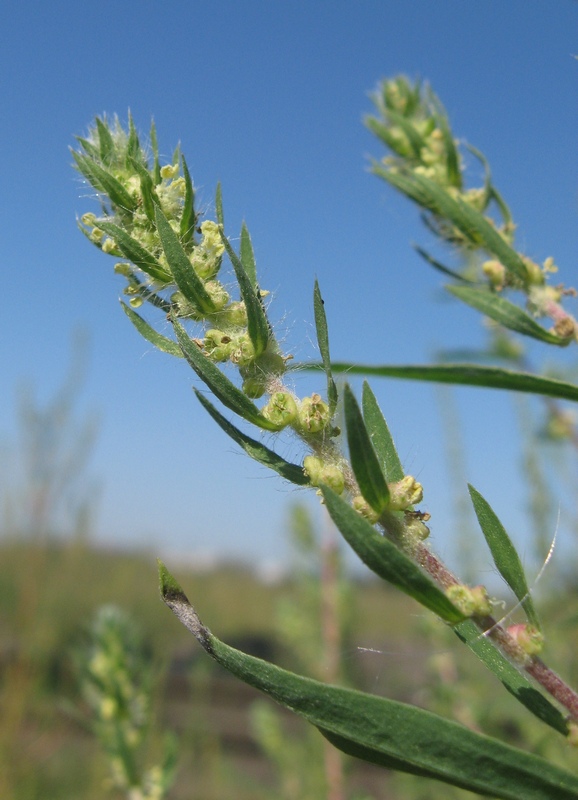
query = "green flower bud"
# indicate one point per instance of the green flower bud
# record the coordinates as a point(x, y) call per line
point(332, 476)
point(364, 509)
point(495, 273)
point(319, 472)
point(234, 315)
point(528, 637)
point(254, 386)
point(281, 409)
point(572, 734)
point(416, 530)
point(242, 351)
point(217, 345)
point(470, 601)
point(88, 219)
point(135, 302)
point(109, 246)
point(96, 234)
point(312, 466)
point(406, 492)
point(217, 293)
point(535, 274)
point(123, 269)
point(313, 414)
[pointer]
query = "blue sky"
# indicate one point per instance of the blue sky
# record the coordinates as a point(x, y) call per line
point(268, 98)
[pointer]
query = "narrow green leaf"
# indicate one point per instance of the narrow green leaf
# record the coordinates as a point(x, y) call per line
point(323, 342)
point(105, 142)
point(257, 324)
point(89, 148)
point(156, 173)
point(461, 374)
point(492, 192)
point(219, 205)
point(148, 332)
point(248, 256)
point(148, 195)
point(222, 387)
point(386, 732)
point(183, 272)
point(136, 253)
point(291, 472)
point(387, 560)
point(504, 554)
point(382, 131)
point(471, 223)
point(148, 192)
point(506, 313)
point(133, 150)
point(364, 461)
point(103, 181)
point(440, 267)
point(452, 155)
point(188, 219)
point(381, 438)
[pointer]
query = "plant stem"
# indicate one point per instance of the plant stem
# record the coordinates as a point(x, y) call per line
point(532, 665)
point(331, 633)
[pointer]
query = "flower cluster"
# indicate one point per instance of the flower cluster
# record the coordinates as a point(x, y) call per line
point(425, 164)
point(172, 260)
point(116, 683)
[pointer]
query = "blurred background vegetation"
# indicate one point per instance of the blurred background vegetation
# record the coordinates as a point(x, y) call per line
point(173, 709)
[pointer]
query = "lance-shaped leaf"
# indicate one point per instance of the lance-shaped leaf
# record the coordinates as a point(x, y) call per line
point(489, 187)
point(504, 553)
point(136, 253)
point(386, 732)
point(219, 205)
point(506, 313)
point(103, 181)
point(474, 226)
point(382, 131)
point(257, 323)
point(387, 560)
point(89, 147)
point(222, 387)
point(441, 267)
point(248, 256)
point(187, 224)
point(363, 458)
point(156, 171)
point(256, 450)
point(149, 196)
point(323, 342)
point(133, 149)
point(148, 332)
point(452, 155)
point(461, 374)
point(105, 142)
point(381, 438)
point(183, 271)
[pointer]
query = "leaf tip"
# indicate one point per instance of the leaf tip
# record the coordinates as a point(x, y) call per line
point(169, 587)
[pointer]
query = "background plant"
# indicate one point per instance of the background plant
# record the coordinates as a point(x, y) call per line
point(117, 681)
point(148, 219)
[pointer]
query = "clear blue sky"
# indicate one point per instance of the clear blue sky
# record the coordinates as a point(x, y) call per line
point(268, 97)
